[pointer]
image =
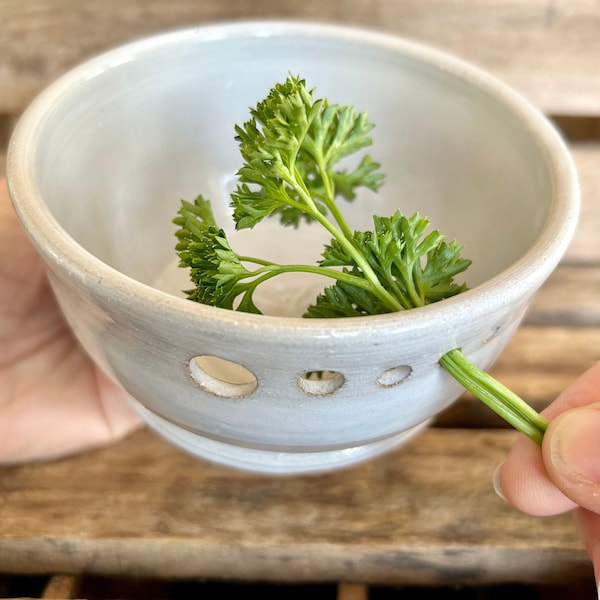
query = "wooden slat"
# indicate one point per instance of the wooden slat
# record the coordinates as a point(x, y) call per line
point(423, 514)
point(585, 247)
point(569, 297)
point(541, 361)
point(541, 48)
point(61, 587)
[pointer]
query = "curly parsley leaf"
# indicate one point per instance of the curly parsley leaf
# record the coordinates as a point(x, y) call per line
point(417, 269)
point(291, 148)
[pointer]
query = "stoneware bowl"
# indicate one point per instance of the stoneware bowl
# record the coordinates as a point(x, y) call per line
point(98, 164)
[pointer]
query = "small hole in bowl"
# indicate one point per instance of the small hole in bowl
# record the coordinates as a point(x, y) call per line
point(394, 376)
point(320, 383)
point(221, 377)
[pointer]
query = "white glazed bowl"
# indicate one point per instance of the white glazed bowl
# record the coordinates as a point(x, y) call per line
point(99, 162)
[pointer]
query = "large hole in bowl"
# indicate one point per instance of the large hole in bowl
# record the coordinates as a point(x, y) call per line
point(221, 377)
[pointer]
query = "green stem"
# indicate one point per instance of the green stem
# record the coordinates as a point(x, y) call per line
point(270, 270)
point(496, 396)
point(386, 297)
point(330, 200)
point(415, 297)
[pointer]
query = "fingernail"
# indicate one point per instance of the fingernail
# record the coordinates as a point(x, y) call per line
point(496, 482)
point(575, 445)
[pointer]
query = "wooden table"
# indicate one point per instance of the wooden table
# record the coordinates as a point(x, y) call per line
point(423, 515)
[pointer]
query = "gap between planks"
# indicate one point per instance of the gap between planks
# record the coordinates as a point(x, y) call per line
point(352, 591)
point(61, 587)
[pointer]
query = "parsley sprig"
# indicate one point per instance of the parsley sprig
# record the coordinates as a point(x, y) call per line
point(292, 147)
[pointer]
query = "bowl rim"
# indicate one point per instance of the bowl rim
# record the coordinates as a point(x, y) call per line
point(525, 274)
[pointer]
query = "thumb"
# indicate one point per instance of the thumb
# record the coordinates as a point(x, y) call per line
point(571, 453)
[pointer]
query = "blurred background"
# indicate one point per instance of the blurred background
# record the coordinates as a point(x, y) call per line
point(541, 48)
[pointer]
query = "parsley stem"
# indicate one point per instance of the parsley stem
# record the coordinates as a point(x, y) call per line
point(376, 287)
point(269, 270)
point(495, 395)
point(330, 200)
point(379, 290)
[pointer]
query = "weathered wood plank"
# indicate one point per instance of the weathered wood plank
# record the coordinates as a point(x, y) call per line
point(541, 48)
point(570, 296)
point(585, 247)
point(541, 361)
point(423, 514)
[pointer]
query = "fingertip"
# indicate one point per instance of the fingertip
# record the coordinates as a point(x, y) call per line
point(573, 444)
point(523, 482)
point(572, 454)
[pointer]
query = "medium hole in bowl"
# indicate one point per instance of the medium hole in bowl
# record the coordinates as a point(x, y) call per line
point(394, 376)
point(320, 383)
point(221, 377)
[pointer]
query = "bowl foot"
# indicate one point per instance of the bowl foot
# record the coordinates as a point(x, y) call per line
point(270, 461)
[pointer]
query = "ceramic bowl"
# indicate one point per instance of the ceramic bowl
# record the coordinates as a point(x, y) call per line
point(98, 164)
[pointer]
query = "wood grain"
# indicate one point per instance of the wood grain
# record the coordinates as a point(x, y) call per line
point(569, 297)
point(424, 514)
point(541, 48)
point(421, 515)
point(585, 247)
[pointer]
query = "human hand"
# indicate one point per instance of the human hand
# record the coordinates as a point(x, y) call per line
point(53, 400)
point(565, 475)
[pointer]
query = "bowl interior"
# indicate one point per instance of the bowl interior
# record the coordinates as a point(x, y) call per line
point(133, 132)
